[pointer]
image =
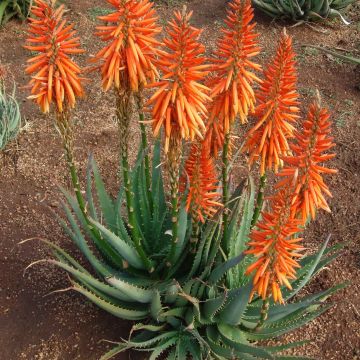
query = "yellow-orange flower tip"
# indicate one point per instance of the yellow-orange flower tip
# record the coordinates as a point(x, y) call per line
point(234, 68)
point(277, 109)
point(179, 102)
point(130, 31)
point(310, 150)
point(55, 76)
point(200, 175)
point(275, 245)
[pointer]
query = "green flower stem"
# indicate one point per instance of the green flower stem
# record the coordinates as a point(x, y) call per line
point(144, 143)
point(75, 179)
point(174, 222)
point(64, 127)
point(263, 314)
point(174, 157)
point(225, 187)
point(259, 200)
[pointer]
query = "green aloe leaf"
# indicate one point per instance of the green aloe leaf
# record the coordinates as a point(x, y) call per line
point(236, 305)
point(79, 239)
point(106, 203)
point(278, 348)
point(210, 307)
point(93, 282)
point(222, 269)
point(279, 312)
point(162, 347)
point(114, 351)
point(104, 248)
point(125, 250)
point(3, 7)
point(285, 327)
point(143, 344)
point(111, 308)
point(310, 271)
point(134, 292)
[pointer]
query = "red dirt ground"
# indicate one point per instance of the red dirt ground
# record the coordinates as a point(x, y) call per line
point(65, 326)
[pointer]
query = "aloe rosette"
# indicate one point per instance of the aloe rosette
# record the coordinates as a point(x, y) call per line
point(308, 10)
point(10, 117)
point(201, 308)
point(14, 8)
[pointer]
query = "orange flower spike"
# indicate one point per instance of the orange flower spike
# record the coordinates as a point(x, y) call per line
point(201, 175)
point(276, 249)
point(232, 87)
point(276, 110)
point(309, 151)
point(128, 59)
point(179, 102)
point(55, 76)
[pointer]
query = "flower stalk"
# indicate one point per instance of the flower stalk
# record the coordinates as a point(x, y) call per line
point(174, 156)
point(64, 126)
point(225, 189)
point(259, 200)
point(144, 143)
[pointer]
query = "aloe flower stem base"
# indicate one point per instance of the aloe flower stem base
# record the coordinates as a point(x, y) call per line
point(144, 143)
point(64, 127)
point(174, 168)
point(263, 314)
point(225, 188)
point(259, 200)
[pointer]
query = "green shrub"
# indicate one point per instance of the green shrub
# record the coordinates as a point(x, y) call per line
point(10, 117)
point(308, 10)
point(14, 8)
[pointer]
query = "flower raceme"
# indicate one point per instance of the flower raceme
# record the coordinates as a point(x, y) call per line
point(276, 248)
point(201, 176)
point(300, 193)
point(309, 150)
point(128, 59)
point(231, 86)
point(276, 110)
point(178, 104)
point(55, 74)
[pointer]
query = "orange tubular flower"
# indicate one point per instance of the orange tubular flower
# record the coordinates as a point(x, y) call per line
point(201, 177)
point(56, 76)
point(179, 102)
point(277, 109)
point(232, 86)
point(308, 152)
point(129, 57)
point(277, 251)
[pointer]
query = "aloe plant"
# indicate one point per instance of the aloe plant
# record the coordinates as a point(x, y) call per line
point(308, 10)
point(14, 8)
point(201, 307)
point(10, 117)
point(178, 262)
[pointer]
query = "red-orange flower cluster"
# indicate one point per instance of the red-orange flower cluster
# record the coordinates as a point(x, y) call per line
point(179, 102)
point(201, 177)
point(128, 60)
point(231, 86)
point(300, 193)
point(277, 109)
point(56, 76)
point(304, 165)
point(272, 242)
